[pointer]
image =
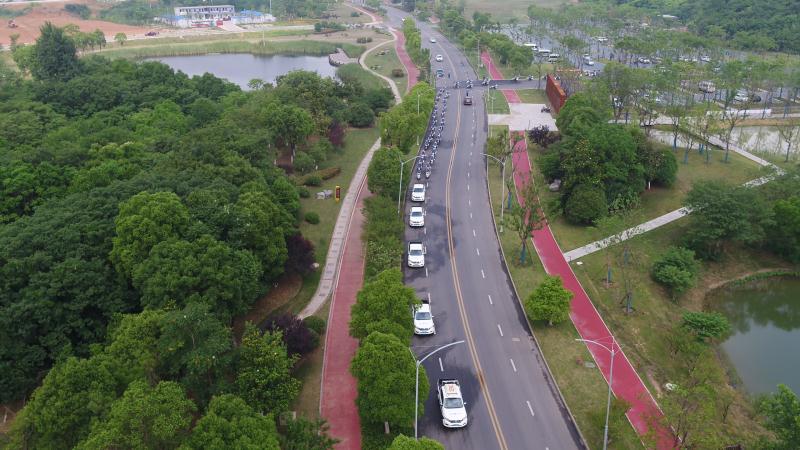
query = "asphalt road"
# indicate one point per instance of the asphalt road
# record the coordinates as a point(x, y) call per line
point(511, 400)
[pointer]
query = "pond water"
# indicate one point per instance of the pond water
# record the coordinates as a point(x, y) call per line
point(240, 68)
point(765, 320)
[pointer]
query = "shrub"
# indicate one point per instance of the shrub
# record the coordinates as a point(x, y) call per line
point(299, 339)
point(312, 180)
point(303, 162)
point(550, 165)
point(81, 11)
point(676, 270)
point(398, 73)
point(667, 169)
point(315, 323)
point(364, 40)
point(585, 205)
point(300, 254)
point(304, 192)
point(550, 301)
point(361, 115)
point(355, 14)
point(706, 325)
point(312, 217)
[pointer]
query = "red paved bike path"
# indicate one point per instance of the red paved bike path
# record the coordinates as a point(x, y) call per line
point(411, 70)
point(590, 325)
point(338, 393)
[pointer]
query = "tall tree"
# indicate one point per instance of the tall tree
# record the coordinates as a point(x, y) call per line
point(304, 434)
point(782, 410)
point(383, 360)
point(385, 298)
point(264, 377)
point(230, 423)
point(549, 302)
point(145, 417)
point(55, 57)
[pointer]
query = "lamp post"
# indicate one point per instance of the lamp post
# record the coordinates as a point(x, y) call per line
point(418, 363)
point(610, 382)
point(400, 187)
point(503, 183)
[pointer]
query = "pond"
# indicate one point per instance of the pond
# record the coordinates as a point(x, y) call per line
point(240, 68)
point(765, 321)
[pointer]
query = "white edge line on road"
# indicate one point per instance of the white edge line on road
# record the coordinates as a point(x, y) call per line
point(441, 367)
point(513, 366)
point(490, 299)
point(500, 330)
point(530, 408)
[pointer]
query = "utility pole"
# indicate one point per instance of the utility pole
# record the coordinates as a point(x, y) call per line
point(416, 388)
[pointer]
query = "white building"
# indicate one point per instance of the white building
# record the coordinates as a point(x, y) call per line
point(209, 12)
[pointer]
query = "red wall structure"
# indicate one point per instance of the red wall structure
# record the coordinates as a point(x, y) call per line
point(555, 93)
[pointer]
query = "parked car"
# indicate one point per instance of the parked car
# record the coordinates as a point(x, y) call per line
point(439, 58)
point(151, 33)
point(707, 87)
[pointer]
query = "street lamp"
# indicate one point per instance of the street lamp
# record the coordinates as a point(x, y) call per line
point(610, 381)
point(416, 387)
point(400, 188)
point(503, 183)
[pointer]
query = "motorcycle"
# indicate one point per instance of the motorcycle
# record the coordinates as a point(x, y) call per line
point(545, 109)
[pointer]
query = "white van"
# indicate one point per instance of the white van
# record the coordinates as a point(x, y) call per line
point(543, 52)
point(531, 45)
point(553, 57)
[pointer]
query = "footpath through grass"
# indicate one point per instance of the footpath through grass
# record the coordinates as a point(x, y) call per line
point(584, 388)
point(656, 201)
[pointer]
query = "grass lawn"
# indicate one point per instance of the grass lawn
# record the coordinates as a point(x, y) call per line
point(367, 80)
point(656, 201)
point(584, 389)
point(644, 333)
point(309, 370)
point(533, 96)
point(496, 102)
point(386, 63)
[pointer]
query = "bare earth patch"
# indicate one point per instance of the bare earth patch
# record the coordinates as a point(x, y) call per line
point(285, 289)
point(28, 25)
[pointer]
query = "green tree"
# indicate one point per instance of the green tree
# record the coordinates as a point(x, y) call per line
point(784, 233)
point(384, 298)
point(586, 204)
point(782, 412)
point(230, 423)
point(723, 213)
point(145, 417)
point(261, 226)
point(526, 216)
point(144, 220)
point(195, 347)
point(402, 442)
point(361, 115)
point(121, 38)
point(59, 414)
point(304, 434)
point(550, 301)
point(706, 326)
point(206, 270)
point(383, 174)
point(384, 360)
point(55, 58)
point(676, 269)
point(264, 377)
point(132, 351)
point(290, 124)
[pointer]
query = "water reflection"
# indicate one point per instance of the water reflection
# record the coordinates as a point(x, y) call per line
point(240, 68)
point(765, 318)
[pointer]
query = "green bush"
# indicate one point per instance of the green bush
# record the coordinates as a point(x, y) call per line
point(304, 192)
point(667, 169)
point(706, 325)
point(585, 205)
point(312, 180)
point(303, 162)
point(549, 302)
point(676, 269)
point(550, 165)
point(312, 217)
point(315, 323)
point(361, 115)
point(398, 73)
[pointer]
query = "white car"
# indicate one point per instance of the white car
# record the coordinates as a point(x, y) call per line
point(418, 193)
point(417, 217)
point(416, 254)
point(451, 404)
point(439, 58)
point(433, 40)
point(589, 62)
point(423, 320)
